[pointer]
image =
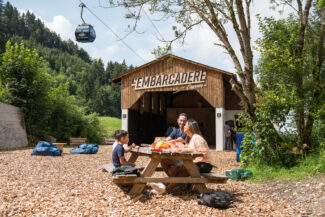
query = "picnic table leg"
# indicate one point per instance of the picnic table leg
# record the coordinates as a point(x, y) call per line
point(148, 171)
point(133, 157)
point(195, 173)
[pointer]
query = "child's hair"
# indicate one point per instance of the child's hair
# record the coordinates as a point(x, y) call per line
point(114, 135)
point(118, 134)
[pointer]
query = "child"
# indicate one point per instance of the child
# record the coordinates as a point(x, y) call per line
point(118, 153)
point(125, 146)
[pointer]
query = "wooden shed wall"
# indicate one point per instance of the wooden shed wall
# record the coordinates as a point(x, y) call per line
point(213, 90)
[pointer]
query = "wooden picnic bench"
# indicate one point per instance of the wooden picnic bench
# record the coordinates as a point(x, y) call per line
point(77, 141)
point(59, 145)
point(155, 158)
point(108, 141)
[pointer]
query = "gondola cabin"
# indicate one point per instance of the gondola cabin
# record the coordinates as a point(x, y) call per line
point(85, 33)
point(154, 94)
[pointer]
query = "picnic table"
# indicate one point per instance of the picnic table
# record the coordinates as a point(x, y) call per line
point(197, 178)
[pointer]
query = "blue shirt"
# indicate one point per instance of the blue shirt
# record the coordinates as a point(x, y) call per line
point(117, 153)
point(177, 133)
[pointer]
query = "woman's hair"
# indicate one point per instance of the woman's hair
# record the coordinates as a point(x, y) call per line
point(194, 127)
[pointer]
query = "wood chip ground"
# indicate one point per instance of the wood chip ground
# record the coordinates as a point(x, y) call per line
point(74, 185)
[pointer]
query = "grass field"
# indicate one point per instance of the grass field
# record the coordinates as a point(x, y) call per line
point(312, 164)
point(109, 125)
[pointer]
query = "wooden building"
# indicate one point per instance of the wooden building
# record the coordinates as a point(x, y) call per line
point(153, 95)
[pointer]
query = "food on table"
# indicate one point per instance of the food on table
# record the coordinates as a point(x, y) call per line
point(156, 149)
point(189, 150)
point(162, 144)
point(173, 145)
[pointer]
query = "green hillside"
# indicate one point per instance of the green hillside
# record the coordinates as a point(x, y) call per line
point(109, 125)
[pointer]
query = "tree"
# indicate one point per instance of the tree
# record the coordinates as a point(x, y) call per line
point(27, 85)
point(299, 84)
point(47, 106)
point(2, 34)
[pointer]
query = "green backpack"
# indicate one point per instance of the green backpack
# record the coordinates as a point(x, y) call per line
point(238, 174)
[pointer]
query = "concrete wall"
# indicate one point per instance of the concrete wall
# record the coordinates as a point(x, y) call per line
point(220, 137)
point(224, 115)
point(230, 114)
point(125, 118)
point(12, 130)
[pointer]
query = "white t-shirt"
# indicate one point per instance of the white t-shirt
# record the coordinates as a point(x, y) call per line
point(115, 144)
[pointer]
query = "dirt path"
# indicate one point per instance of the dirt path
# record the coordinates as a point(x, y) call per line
point(308, 193)
point(72, 185)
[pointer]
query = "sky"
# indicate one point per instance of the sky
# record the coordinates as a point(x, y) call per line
point(63, 16)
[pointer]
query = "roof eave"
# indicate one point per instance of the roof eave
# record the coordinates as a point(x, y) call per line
point(118, 78)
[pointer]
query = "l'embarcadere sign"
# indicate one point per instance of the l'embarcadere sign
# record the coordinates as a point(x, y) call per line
point(168, 80)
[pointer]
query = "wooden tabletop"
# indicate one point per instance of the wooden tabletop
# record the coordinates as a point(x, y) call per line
point(167, 154)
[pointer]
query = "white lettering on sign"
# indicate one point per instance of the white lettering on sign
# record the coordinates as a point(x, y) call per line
point(168, 80)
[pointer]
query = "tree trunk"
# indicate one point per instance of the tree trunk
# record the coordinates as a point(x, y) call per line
point(299, 53)
point(318, 86)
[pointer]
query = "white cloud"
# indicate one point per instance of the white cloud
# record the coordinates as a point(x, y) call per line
point(202, 40)
point(200, 45)
point(106, 53)
point(62, 26)
point(227, 62)
point(145, 54)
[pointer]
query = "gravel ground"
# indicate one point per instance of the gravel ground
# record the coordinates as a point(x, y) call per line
point(73, 185)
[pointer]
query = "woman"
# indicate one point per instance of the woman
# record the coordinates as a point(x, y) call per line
point(196, 143)
point(199, 145)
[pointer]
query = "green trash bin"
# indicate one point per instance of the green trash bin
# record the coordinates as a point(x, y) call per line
point(238, 174)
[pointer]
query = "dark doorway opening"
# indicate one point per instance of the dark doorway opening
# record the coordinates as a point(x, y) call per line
point(151, 115)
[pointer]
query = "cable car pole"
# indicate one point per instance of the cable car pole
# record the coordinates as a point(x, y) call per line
point(82, 5)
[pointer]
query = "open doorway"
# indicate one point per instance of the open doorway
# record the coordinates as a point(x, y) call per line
point(150, 116)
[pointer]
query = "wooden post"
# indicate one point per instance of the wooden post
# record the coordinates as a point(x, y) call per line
point(194, 173)
point(148, 171)
point(134, 156)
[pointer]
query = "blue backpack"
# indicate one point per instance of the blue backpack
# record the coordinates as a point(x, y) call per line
point(46, 149)
point(85, 149)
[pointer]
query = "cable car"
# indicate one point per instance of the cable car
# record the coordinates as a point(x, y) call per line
point(84, 32)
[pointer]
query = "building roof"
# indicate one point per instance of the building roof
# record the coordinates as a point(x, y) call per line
point(117, 79)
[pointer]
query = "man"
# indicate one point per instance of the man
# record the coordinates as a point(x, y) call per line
point(228, 136)
point(178, 134)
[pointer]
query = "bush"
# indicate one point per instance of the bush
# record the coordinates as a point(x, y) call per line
point(260, 146)
point(263, 150)
point(48, 109)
